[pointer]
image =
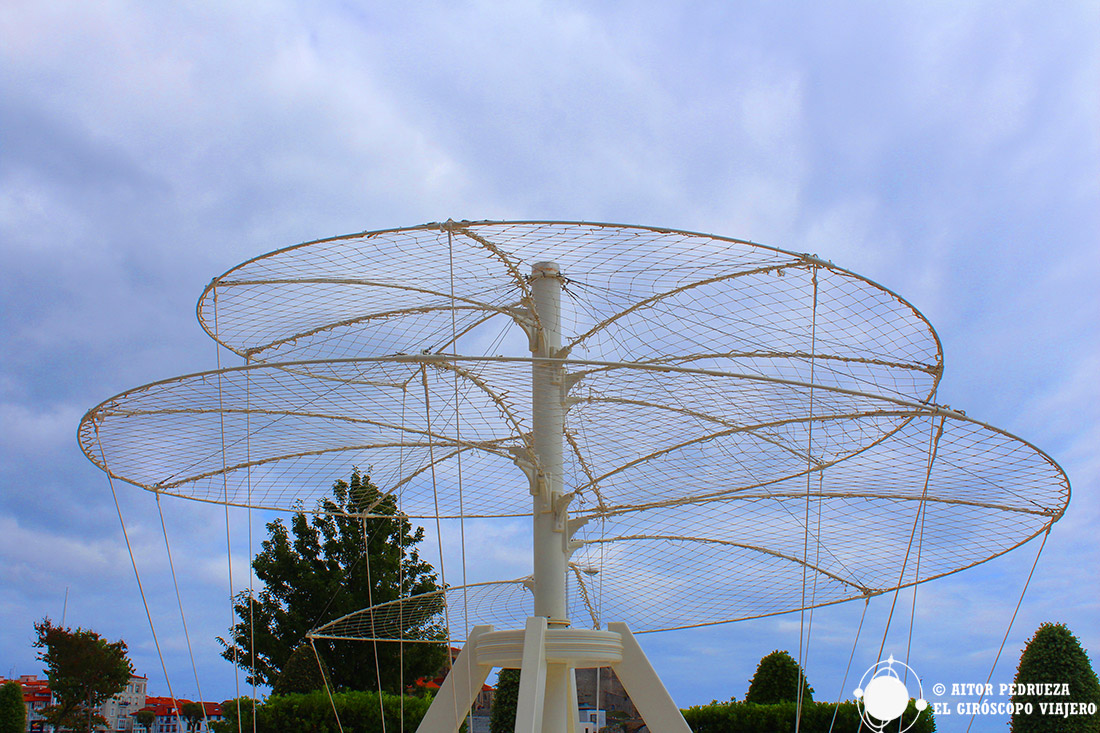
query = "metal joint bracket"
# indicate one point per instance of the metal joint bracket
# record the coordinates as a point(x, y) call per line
point(572, 525)
point(561, 511)
point(524, 316)
point(568, 382)
point(525, 459)
point(528, 462)
point(570, 545)
point(536, 339)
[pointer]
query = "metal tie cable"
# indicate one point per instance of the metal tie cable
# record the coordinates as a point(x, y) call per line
point(844, 682)
point(1010, 622)
point(806, 524)
point(324, 676)
point(248, 520)
point(179, 602)
point(438, 522)
point(370, 602)
point(228, 541)
point(137, 576)
point(932, 453)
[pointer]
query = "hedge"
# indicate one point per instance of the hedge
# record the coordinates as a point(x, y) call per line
point(311, 712)
point(747, 717)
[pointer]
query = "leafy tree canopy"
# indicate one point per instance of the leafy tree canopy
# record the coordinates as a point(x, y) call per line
point(193, 714)
point(502, 717)
point(777, 679)
point(13, 714)
point(1054, 656)
point(356, 550)
point(84, 670)
point(145, 718)
point(301, 673)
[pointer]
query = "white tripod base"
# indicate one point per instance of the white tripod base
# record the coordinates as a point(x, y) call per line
point(546, 656)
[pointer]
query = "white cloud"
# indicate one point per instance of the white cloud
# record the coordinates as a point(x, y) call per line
point(48, 428)
point(46, 561)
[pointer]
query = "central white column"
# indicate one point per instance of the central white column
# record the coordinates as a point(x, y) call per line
point(550, 532)
point(548, 428)
point(547, 651)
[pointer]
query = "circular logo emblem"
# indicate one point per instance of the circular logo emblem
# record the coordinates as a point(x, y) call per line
point(882, 696)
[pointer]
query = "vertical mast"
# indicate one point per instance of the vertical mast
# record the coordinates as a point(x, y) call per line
point(547, 422)
point(547, 651)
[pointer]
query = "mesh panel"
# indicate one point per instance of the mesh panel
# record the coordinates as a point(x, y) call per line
point(747, 431)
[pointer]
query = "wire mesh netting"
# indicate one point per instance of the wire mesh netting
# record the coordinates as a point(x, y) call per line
point(748, 431)
point(633, 294)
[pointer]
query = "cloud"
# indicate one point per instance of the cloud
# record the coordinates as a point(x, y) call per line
point(38, 430)
point(39, 563)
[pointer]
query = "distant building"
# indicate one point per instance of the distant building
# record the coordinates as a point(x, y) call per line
point(168, 718)
point(482, 702)
point(601, 694)
point(119, 710)
point(591, 720)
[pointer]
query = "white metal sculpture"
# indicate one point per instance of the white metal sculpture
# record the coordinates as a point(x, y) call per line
point(708, 429)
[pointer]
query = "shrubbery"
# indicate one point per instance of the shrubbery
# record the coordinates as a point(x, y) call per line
point(502, 718)
point(747, 717)
point(301, 673)
point(13, 714)
point(777, 679)
point(312, 712)
point(1054, 655)
point(770, 706)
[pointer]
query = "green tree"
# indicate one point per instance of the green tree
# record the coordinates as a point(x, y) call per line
point(84, 670)
point(301, 673)
point(237, 715)
point(355, 551)
point(13, 713)
point(193, 714)
point(1054, 655)
point(502, 718)
point(777, 679)
point(145, 718)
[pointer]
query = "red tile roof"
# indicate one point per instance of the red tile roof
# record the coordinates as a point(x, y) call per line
point(435, 684)
point(164, 706)
point(34, 689)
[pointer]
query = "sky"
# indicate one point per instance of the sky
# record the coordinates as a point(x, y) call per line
point(949, 151)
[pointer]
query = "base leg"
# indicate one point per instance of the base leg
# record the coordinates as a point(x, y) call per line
point(560, 712)
point(532, 677)
point(643, 685)
point(461, 687)
point(574, 708)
